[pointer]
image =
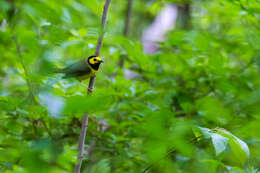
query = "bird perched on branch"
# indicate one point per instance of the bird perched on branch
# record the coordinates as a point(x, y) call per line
point(83, 69)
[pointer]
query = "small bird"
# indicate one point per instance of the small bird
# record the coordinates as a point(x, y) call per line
point(83, 69)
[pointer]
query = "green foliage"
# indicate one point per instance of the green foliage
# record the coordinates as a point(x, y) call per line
point(101, 167)
point(222, 139)
point(207, 76)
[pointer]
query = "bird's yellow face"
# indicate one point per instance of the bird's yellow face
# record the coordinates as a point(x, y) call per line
point(95, 60)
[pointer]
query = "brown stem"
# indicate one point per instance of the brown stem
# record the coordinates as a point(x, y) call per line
point(184, 13)
point(126, 27)
point(89, 91)
point(104, 19)
point(83, 133)
point(35, 130)
point(46, 127)
point(91, 84)
point(99, 43)
point(128, 17)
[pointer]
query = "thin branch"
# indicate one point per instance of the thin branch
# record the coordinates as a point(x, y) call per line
point(126, 27)
point(34, 125)
point(46, 127)
point(152, 164)
point(89, 91)
point(27, 79)
point(99, 43)
point(128, 17)
point(104, 19)
point(1, 119)
point(91, 84)
point(5, 146)
point(6, 130)
point(83, 133)
point(184, 13)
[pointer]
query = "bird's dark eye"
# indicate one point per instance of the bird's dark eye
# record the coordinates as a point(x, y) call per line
point(95, 59)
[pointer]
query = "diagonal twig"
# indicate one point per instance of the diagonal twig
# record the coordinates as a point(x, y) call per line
point(172, 150)
point(27, 79)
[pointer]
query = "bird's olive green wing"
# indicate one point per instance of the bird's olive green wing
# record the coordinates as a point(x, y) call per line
point(77, 69)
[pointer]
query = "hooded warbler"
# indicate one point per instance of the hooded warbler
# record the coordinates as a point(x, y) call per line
point(83, 69)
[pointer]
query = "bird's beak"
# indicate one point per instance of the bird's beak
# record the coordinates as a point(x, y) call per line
point(101, 61)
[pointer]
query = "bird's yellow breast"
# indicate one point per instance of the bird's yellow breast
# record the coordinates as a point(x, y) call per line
point(86, 76)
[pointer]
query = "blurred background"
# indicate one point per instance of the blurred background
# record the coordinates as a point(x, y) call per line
point(179, 90)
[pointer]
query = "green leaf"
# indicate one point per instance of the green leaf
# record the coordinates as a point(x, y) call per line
point(235, 170)
point(221, 138)
point(239, 147)
point(206, 132)
point(90, 103)
point(101, 167)
point(219, 142)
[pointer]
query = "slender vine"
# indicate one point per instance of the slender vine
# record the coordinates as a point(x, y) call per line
point(26, 73)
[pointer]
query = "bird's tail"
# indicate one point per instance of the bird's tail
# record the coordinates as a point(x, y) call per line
point(58, 70)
